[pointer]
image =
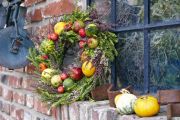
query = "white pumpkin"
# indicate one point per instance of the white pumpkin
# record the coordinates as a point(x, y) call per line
point(125, 103)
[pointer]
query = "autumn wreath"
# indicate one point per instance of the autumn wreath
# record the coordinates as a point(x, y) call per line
point(82, 33)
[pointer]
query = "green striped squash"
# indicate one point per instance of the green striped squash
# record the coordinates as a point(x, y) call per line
point(125, 103)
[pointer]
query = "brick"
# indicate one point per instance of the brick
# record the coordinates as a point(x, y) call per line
point(4, 69)
point(1, 105)
point(22, 70)
point(15, 82)
point(103, 113)
point(7, 94)
point(32, 2)
point(134, 117)
point(74, 112)
point(16, 113)
point(64, 112)
point(28, 83)
point(55, 113)
point(40, 33)
point(12, 81)
point(2, 117)
point(4, 79)
point(35, 15)
point(58, 8)
point(41, 107)
point(29, 100)
point(30, 69)
point(43, 31)
point(19, 98)
point(27, 116)
point(44, 118)
point(87, 107)
point(6, 108)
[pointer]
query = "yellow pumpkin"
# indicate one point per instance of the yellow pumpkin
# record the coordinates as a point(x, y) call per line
point(146, 106)
point(59, 27)
point(88, 69)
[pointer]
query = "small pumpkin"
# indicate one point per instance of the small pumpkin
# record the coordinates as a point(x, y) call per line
point(124, 102)
point(146, 106)
point(88, 69)
point(42, 67)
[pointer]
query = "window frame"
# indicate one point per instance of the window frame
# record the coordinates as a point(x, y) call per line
point(146, 27)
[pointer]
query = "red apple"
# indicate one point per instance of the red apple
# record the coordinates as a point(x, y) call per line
point(49, 36)
point(64, 76)
point(68, 27)
point(82, 33)
point(92, 43)
point(60, 89)
point(78, 25)
point(82, 43)
point(54, 36)
point(44, 57)
point(76, 73)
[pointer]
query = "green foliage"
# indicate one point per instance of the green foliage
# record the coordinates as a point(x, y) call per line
point(57, 57)
point(165, 9)
point(33, 57)
point(79, 92)
point(165, 56)
point(69, 36)
point(107, 41)
point(76, 15)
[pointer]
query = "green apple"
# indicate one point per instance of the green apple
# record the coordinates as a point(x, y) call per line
point(92, 43)
point(56, 81)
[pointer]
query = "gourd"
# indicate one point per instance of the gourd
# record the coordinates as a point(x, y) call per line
point(146, 106)
point(124, 102)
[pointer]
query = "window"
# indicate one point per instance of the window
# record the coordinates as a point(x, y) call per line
point(149, 42)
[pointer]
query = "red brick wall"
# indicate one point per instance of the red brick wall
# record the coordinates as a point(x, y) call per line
point(18, 100)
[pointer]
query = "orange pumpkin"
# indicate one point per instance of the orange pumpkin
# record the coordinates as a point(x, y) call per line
point(42, 67)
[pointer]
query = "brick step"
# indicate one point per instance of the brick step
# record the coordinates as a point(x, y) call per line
point(109, 113)
point(101, 110)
